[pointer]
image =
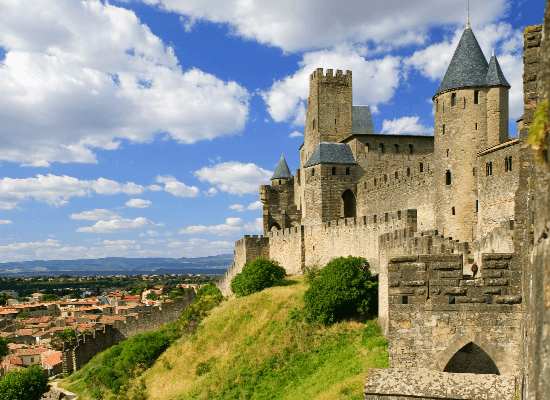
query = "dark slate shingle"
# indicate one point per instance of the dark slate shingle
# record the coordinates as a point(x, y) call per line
point(495, 77)
point(331, 153)
point(282, 171)
point(468, 67)
point(362, 120)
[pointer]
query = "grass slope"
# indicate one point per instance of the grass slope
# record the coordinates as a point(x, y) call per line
point(259, 347)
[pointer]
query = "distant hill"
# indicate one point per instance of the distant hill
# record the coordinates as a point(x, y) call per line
point(117, 265)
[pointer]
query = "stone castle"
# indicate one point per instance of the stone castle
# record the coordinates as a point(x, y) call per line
point(421, 210)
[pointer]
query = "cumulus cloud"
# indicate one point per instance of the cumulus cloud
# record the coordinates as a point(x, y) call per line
point(405, 125)
point(234, 177)
point(84, 75)
point(432, 62)
point(379, 78)
point(192, 246)
point(172, 185)
point(211, 192)
point(96, 215)
point(57, 190)
point(255, 226)
point(138, 203)
point(118, 225)
point(296, 134)
point(257, 205)
point(230, 227)
point(5, 221)
point(300, 25)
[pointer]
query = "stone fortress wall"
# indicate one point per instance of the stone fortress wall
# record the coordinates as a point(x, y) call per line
point(79, 351)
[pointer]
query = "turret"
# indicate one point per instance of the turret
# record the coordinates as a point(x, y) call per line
point(497, 104)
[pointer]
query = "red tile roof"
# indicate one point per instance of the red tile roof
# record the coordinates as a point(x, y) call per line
point(53, 359)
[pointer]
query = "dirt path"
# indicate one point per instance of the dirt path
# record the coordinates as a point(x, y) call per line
point(70, 395)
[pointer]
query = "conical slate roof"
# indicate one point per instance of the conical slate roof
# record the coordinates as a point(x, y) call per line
point(331, 153)
point(495, 77)
point(468, 67)
point(282, 171)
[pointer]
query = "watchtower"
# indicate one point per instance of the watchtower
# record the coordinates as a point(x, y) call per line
point(471, 114)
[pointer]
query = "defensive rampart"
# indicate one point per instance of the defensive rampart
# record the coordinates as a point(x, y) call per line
point(79, 351)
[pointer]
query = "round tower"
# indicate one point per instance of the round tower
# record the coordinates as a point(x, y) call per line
point(471, 114)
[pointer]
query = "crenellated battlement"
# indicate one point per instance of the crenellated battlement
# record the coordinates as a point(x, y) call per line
point(339, 78)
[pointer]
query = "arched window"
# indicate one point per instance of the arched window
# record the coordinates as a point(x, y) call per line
point(274, 227)
point(471, 359)
point(396, 148)
point(410, 148)
point(381, 148)
point(333, 170)
point(448, 177)
point(347, 171)
point(349, 205)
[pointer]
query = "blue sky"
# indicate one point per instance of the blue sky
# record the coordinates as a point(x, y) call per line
point(144, 128)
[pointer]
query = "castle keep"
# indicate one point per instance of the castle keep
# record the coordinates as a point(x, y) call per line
point(421, 210)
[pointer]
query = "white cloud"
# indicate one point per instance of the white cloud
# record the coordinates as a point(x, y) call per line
point(118, 225)
point(374, 81)
point(405, 125)
point(138, 203)
point(84, 75)
point(230, 227)
point(56, 190)
point(211, 192)
point(205, 247)
point(5, 221)
point(171, 185)
point(234, 177)
point(300, 25)
point(296, 134)
point(432, 62)
point(153, 233)
point(255, 227)
point(257, 205)
point(95, 215)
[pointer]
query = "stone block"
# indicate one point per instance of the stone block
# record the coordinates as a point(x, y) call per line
point(456, 291)
point(393, 283)
point(496, 282)
point(471, 299)
point(456, 274)
point(444, 282)
point(421, 291)
point(489, 273)
point(413, 283)
point(446, 266)
point(496, 265)
point(509, 299)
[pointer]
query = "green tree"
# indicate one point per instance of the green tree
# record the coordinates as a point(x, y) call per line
point(256, 276)
point(152, 296)
point(3, 347)
point(23, 315)
point(22, 299)
point(343, 288)
point(50, 297)
point(25, 384)
point(210, 289)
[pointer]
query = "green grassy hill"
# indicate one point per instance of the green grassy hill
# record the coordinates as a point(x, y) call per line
point(259, 347)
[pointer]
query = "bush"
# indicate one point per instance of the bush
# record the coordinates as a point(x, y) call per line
point(256, 276)
point(25, 384)
point(50, 297)
point(343, 288)
point(210, 289)
point(310, 273)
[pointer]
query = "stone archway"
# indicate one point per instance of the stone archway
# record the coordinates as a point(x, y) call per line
point(471, 359)
point(350, 204)
point(274, 226)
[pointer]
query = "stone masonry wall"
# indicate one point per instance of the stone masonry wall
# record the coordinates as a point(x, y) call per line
point(435, 312)
point(286, 246)
point(79, 351)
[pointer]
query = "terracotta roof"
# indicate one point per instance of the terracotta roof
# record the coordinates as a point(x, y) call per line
point(30, 352)
point(53, 359)
point(498, 147)
point(26, 332)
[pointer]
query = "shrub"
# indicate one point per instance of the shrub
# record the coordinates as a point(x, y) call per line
point(210, 289)
point(50, 297)
point(343, 288)
point(310, 273)
point(25, 384)
point(23, 315)
point(256, 276)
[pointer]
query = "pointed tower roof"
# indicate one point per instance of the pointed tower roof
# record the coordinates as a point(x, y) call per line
point(282, 171)
point(495, 77)
point(468, 67)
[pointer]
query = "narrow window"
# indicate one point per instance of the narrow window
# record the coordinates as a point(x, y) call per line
point(443, 107)
point(491, 168)
point(386, 217)
point(477, 205)
point(334, 121)
point(408, 171)
point(374, 181)
point(313, 123)
point(396, 148)
point(347, 171)
point(405, 300)
point(476, 126)
point(437, 105)
point(399, 215)
point(448, 177)
point(410, 148)
point(421, 167)
point(365, 185)
point(279, 182)
point(510, 163)
point(453, 99)
point(367, 147)
point(447, 152)
point(443, 131)
point(474, 171)
point(381, 148)
point(333, 170)
point(453, 211)
point(511, 224)
point(396, 175)
point(385, 178)
point(476, 97)
point(464, 102)
point(506, 164)
point(312, 171)
point(375, 219)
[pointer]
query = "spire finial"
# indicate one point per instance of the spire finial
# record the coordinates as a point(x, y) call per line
point(468, 16)
point(493, 50)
